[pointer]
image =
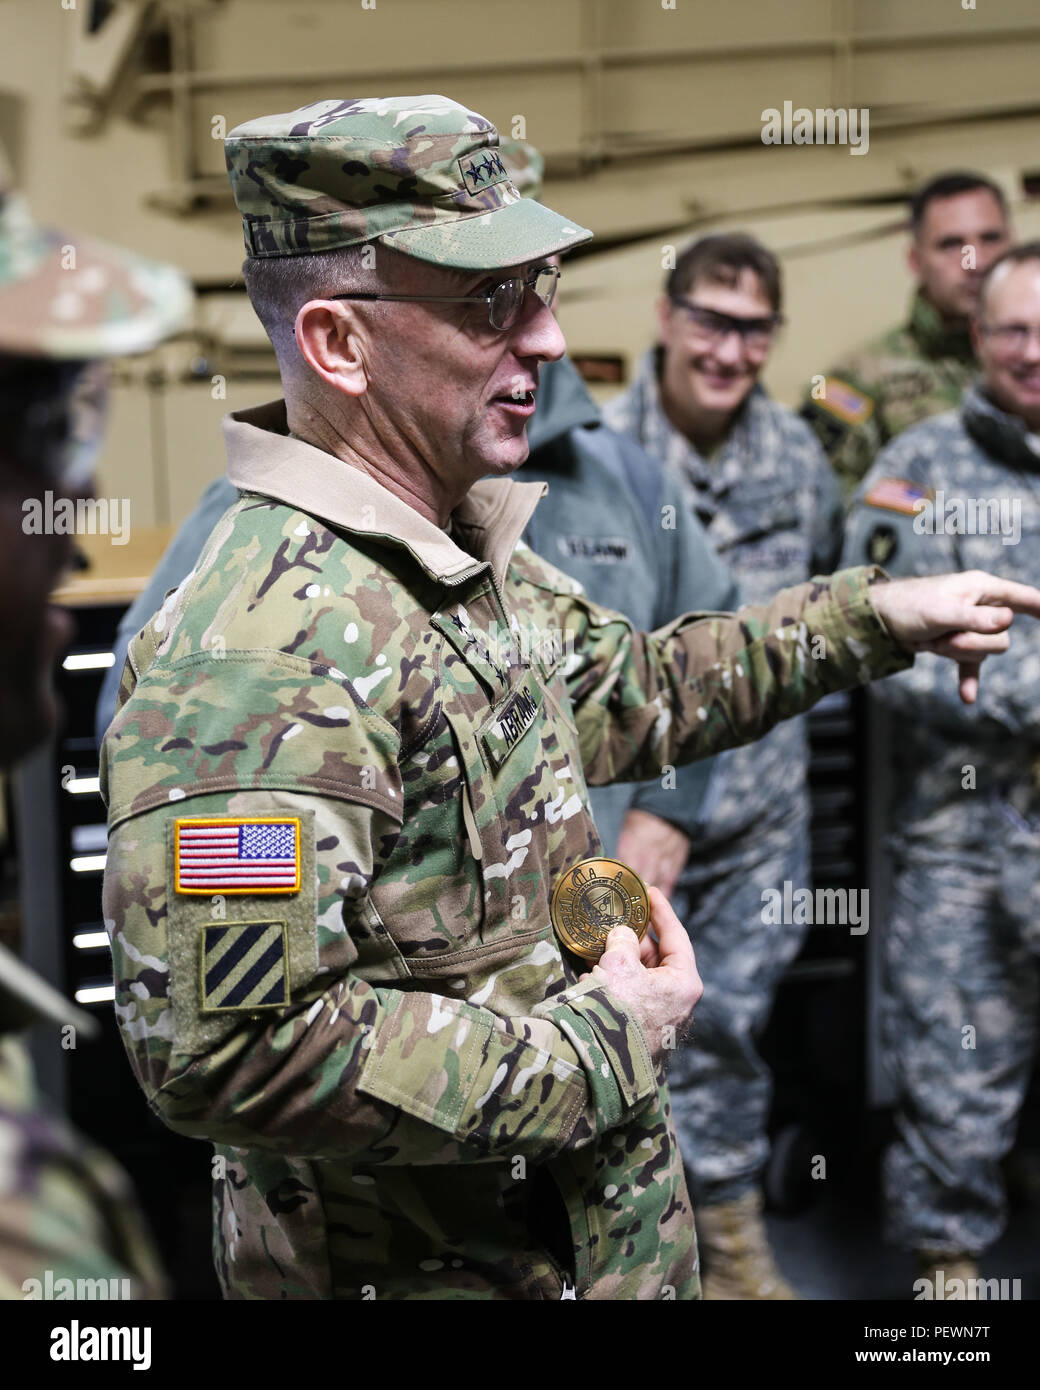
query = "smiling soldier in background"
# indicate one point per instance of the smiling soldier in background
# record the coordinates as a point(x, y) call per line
point(962, 944)
point(769, 504)
point(959, 226)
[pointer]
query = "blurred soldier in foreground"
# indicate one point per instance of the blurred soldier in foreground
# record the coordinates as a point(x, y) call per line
point(769, 503)
point(959, 226)
point(67, 1212)
point(963, 940)
point(339, 800)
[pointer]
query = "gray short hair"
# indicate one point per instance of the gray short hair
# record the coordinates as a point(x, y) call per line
point(279, 286)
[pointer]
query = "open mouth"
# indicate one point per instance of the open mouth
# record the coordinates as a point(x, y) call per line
point(522, 405)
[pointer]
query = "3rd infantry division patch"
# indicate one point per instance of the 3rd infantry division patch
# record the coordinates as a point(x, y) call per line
point(244, 966)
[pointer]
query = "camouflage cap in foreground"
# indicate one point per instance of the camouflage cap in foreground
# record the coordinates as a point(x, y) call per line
point(422, 174)
point(72, 297)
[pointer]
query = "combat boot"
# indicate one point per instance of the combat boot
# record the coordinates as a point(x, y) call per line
point(952, 1275)
point(736, 1257)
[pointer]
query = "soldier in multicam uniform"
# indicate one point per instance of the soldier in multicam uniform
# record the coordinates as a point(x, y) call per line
point(962, 940)
point(338, 807)
point(959, 226)
point(617, 521)
point(67, 1211)
point(769, 503)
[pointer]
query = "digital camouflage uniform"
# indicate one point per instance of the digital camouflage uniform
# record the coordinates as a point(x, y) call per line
point(962, 938)
point(383, 1064)
point(768, 503)
point(907, 375)
point(67, 1210)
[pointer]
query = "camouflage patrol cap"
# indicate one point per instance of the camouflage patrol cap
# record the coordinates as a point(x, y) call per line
point(71, 297)
point(422, 175)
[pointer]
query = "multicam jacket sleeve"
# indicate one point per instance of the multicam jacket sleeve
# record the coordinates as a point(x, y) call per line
point(708, 682)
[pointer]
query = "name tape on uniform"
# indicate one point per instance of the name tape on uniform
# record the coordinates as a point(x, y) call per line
point(510, 723)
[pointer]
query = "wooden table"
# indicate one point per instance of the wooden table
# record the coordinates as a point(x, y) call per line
point(116, 573)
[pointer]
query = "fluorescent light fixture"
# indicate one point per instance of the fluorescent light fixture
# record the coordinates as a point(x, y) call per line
point(90, 940)
point(89, 661)
point(80, 786)
point(95, 994)
point(87, 863)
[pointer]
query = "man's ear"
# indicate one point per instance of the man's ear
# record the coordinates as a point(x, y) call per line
point(913, 260)
point(330, 336)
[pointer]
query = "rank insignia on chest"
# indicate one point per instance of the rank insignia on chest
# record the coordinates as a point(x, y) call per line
point(244, 966)
point(237, 855)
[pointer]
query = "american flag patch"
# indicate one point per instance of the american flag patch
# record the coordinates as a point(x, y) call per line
point(259, 855)
point(897, 495)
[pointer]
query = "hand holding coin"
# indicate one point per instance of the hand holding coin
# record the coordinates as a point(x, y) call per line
point(656, 977)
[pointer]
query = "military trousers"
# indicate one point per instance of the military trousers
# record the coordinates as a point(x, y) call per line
point(721, 1088)
point(962, 981)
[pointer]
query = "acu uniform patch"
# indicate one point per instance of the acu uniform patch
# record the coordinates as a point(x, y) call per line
point(898, 495)
point(840, 399)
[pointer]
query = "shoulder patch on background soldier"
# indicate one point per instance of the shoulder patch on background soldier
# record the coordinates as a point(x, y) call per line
point(882, 544)
point(244, 966)
point(232, 854)
point(898, 495)
point(845, 401)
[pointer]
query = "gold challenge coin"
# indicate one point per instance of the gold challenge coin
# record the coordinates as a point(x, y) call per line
point(593, 898)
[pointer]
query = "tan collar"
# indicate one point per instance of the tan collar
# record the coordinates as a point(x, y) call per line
point(264, 458)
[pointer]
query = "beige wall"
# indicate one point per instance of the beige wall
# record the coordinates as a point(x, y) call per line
point(650, 118)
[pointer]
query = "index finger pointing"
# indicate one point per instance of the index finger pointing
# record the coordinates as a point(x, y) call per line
point(1023, 598)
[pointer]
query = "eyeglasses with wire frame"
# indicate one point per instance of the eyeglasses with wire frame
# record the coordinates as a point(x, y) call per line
point(504, 301)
